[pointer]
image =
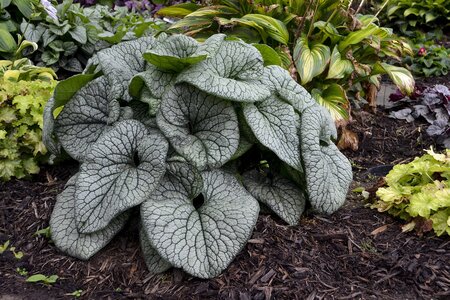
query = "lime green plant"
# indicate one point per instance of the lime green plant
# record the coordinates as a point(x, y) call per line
point(419, 190)
point(335, 53)
point(24, 91)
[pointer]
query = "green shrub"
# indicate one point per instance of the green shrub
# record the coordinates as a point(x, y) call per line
point(419, 192)
point(335, 53)
point(179, 128)
point(24, 91)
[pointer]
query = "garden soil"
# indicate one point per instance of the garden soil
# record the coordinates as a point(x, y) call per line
point(356, 253)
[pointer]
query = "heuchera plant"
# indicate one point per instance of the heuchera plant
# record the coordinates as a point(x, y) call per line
point(195, 135)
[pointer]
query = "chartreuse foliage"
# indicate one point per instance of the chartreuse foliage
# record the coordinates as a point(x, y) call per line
point(24, 91)
point(419, 189)
point(195, 134)
point(335, 53)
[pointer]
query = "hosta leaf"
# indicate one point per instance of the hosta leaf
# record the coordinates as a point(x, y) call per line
point(155, 80)
point(334, 99)
point(122, 169)
point(401, 77)
point(338, 67)
point(281, 195)
point(310, 60)
point(279, 81)
point(178, 10)
point(155, 263)
point(201, 128)
point(85, 117)
point(64, 230)
point(275, 123)
point(357, 36)
point(230, 74)
point(174, 54)
point(273, 27)
point(269, 55)
point(328, 172)
point(202, 238)
point(121, 62)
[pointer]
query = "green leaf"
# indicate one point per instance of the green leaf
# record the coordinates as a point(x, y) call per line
point(155, 80)
point(25, 7)
point(178, 10)
point(202, 128)
point(328, 172)
point(334, 99)
point(121, 170)
point(79, 34)
point(274, 123)
point(441, 222)
point(356, 37)
point(42, 278)
point(339, 67)
point(201, 234)
point(32, 32)
point(281, 195)
point(401, 77)
point(274, 28)
point(269, 55)
point(174, 54)
point(114, 38)
point(237, 81)
point(7, 42)
point(310, 61)
point(85, 117)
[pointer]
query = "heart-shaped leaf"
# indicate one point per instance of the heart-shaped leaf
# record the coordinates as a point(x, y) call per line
point(310, 61)
point(231, 73)
point(155, 263)
point(122, 169)
point(275, 123)
point(328, 172)
point(274, 28)
point(202, 235)
point(64, 230)
point(201, 128)
point(85, 117)
point(121, 62)
point(174, 54)
point(338, 67)
point(281, 195)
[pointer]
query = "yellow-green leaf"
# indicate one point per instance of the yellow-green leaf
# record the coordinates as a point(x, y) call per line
point(338, 67)
point(334, 99)
point(178, 10)
point(356, 37)
point(273, 27)
point(401, 77)
point(310, 61)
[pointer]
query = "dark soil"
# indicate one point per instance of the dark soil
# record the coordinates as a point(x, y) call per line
point(357, 253)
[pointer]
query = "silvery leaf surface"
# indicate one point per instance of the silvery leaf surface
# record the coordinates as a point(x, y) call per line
point(157, 82)
point(47, 131)
point(64, 230)
point(200, 127)
point(174, 53)
point(274, 123)
point(328, 172)
point(232, 73)
point(121, 62)
point(279, 81)
point(202, 240)
point(155, 263)
point(121, 170)
point(281, 195)
point(85, 118)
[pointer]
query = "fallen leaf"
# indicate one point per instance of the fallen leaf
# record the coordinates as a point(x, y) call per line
point(348, 140)
point(379, 230)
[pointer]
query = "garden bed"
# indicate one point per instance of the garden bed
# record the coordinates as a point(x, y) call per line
point(355, 253)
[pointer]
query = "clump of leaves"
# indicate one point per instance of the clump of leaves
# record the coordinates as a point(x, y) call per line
point(419, 192)
point(76, 33)
point(24, 91)
point(431, 104)
point(43, 279)
point(195, 134)
point(335, 53)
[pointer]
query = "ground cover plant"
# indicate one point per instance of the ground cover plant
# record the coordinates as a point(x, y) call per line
point(419, 192)
point(24, 91)
point(431, 104)
point(335, 53)
point(194, 135)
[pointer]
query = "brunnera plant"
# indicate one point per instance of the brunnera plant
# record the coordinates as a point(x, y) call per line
point(195, 135)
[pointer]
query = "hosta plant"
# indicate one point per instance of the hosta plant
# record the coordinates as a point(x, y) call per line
point(194, 135)
point(419, 192)
point(335, 53)
point(24, 91)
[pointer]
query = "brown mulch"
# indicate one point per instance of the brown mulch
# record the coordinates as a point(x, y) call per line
point(357, 253)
